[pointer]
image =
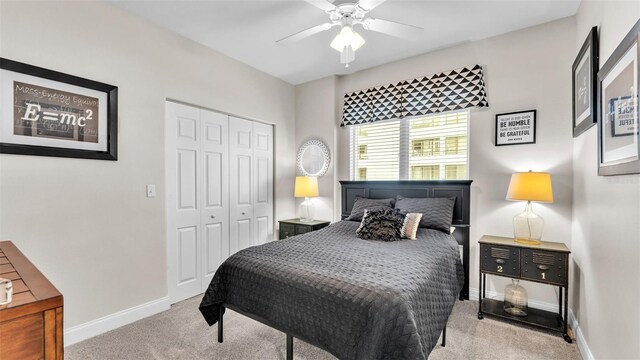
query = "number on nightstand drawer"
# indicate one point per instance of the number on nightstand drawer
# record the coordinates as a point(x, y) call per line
point(545, 266)
point(501, 260)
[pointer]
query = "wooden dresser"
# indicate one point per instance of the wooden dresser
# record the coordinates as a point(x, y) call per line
point(30, 325)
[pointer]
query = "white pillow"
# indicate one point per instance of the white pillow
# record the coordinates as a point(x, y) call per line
point(411, 225)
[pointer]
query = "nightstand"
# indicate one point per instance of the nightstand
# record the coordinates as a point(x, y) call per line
point(547, 263)
point(293, 227)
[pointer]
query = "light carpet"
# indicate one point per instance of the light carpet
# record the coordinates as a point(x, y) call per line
point(181, 333)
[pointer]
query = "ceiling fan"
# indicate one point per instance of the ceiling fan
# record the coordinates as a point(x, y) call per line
point(347, 14)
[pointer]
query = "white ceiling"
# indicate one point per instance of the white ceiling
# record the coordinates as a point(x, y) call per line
point(247, 30)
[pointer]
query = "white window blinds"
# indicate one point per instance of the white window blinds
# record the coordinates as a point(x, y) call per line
point(433, 147)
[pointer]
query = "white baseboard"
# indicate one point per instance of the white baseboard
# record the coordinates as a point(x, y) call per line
point(473, 295)
point(115, 320)
point(581, 342)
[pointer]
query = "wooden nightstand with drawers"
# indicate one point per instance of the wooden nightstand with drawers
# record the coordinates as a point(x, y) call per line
point(294, 227)
point(547, 263)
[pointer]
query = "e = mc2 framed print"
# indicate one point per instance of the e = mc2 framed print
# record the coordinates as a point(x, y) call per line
point(48, 113)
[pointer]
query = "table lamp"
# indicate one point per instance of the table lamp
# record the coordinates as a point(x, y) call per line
point(306, 187)
point(529, 186)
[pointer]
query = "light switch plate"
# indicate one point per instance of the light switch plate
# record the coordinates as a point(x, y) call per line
point(151, 190)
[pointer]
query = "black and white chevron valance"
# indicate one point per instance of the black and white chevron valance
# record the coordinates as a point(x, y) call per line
point(450, 90)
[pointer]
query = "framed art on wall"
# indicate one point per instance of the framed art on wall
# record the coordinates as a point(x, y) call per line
point(584, 84)
point(48, 113)
point(516, 128)
point(618, 145)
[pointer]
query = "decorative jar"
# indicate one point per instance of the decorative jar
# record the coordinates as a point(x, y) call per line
point(515, 299)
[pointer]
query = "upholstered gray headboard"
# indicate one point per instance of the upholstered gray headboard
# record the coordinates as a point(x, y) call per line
point(460, 189)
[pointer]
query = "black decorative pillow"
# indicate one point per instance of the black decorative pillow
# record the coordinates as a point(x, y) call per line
point(381, 224)
point(437, 213)
point(360, 204)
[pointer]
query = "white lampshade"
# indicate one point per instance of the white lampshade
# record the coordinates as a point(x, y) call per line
point(530, 186)
point(306, 186)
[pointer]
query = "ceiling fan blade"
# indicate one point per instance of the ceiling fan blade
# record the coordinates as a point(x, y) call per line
point(322, 4)
point(368, 5)
point(392, 28)
point(304, 33)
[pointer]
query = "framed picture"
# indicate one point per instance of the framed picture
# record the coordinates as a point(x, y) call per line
point(48, 113)
point(585, 84)
point(516, 128)
point(618, 145)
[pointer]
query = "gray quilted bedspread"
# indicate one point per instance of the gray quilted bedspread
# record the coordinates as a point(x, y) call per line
point(357, 299)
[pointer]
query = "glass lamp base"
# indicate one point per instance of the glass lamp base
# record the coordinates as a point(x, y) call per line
point(528, 226)
point(306, 210)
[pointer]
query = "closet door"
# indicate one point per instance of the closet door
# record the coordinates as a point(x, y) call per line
point(214, 145)
point(183, 172)
point(262, 183)
point(240, 184)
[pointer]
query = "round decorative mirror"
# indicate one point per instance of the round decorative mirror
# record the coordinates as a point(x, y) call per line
point(313, 158)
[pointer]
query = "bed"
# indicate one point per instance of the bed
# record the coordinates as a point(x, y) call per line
point(356, 299)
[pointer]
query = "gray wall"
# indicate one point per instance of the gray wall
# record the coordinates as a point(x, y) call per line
point(85, 223)
point(316, 106)
point(606, 218)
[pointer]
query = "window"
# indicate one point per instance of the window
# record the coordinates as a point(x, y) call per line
point(455, 172)
point(362, 152)
point(429, 172)
point(433, 147)
point(455, 118)
point(362, 174)
point(425, 147)
point(424, 122)
point(383, 146)
point(455, 145)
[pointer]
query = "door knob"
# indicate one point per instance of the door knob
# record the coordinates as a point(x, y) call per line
point(244, 213)
point(213, 216)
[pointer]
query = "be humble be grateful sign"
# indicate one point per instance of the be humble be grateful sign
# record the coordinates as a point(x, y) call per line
point(516, 128)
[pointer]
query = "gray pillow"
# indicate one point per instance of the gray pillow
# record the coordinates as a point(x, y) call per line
point(437, 213)
point(360, 204)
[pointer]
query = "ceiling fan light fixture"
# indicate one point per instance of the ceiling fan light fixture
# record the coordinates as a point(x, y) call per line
point(347, 37)
point(357, 41)
point(346, 13)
